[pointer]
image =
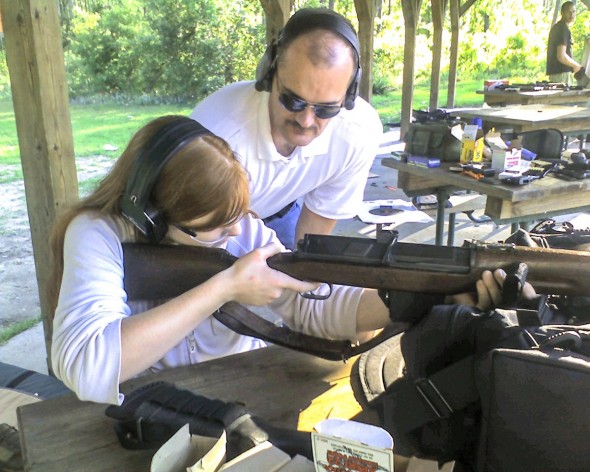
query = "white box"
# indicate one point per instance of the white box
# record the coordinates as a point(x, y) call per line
point(184, 452)
point(349, 445)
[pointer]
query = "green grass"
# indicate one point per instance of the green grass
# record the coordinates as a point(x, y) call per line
point(97, 125)
point(16, 328)
point(389, 105)
point(9, 153)
point(93, 127)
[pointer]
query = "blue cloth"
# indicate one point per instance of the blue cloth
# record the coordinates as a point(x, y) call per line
point(285, 226)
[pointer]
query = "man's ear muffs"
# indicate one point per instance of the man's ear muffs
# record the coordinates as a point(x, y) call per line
point(302, 21)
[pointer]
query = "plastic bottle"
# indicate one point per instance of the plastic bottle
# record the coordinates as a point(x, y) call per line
point(527, 155)
point(479, 123)
point(479, 141)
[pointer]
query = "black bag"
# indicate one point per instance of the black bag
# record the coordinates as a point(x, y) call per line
point(493, 392)
point(430, 136)
point(547, 144)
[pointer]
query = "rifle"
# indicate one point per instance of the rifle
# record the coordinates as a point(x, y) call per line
point(160, 272)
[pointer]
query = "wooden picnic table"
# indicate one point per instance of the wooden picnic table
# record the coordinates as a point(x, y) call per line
point(285, 387)
point(539, 199)
point(520, 118)
point(522, 97)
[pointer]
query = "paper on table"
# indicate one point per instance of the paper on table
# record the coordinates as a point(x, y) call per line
point(395, 211)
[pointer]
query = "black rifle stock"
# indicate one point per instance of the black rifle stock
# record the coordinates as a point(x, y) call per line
point(160, 271)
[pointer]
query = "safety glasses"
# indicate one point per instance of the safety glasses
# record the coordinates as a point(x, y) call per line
point(193, 235)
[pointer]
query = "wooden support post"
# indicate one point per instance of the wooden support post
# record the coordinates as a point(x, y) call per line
point(455, 6)
point(366, 11)
point(277, 13)
point(39, 91)
point(411, 11)
point(439, 8)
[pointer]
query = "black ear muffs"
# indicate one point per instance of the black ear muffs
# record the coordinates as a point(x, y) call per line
point(302, 21)
point(135, 204)
point(265, 68)
point(353, 88)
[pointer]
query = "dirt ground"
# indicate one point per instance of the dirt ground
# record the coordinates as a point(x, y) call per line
point(19, 296)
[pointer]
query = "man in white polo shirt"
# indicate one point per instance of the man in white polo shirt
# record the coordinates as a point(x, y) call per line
point(300, 129)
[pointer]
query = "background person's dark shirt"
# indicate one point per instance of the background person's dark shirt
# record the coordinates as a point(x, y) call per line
point(559, 34)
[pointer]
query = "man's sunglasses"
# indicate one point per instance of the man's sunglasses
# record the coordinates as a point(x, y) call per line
point(295, 104)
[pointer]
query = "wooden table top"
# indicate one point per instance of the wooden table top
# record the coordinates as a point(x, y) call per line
point(556, 96)
point(505, 203)
point(285, 387)
point(530, 117)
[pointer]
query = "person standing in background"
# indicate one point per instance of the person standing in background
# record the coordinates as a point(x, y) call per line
point(560, 63)
point(300, 130)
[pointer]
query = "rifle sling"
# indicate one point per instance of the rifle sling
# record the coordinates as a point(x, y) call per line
point(243, 321)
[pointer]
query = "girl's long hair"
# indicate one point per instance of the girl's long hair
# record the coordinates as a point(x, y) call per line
point(204, 177)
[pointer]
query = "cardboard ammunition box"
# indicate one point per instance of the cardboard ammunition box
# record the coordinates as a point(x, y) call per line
point(472, 144)
point(424, 161)
point(503, 157)
point(340, 445)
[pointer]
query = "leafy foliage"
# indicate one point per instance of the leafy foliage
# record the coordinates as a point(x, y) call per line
point(4, 81)
point(102, 56)
point(177, 51)
point(580, 32)
point(180, 49)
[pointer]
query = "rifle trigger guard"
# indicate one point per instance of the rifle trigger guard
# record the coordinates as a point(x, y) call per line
point(317, 296)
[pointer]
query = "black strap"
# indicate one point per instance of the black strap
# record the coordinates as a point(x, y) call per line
point(243, 321)
point(279, 214)
point(416, 402)
point(20, 378)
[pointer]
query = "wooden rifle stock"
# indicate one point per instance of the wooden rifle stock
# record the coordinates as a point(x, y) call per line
point(160, 271)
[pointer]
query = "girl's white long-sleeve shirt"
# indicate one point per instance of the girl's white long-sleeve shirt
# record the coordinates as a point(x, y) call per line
point(86, 345)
